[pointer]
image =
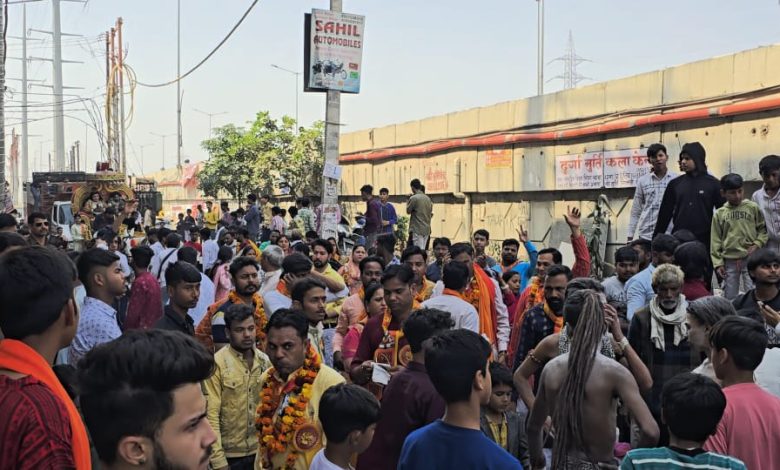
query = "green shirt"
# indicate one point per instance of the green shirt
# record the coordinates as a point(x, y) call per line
point(420, 210)
point(735, 229)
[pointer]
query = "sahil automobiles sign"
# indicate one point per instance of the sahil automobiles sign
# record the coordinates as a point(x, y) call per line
point(335, 51)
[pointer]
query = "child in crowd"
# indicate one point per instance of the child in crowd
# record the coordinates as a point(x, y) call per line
point(738, 229)
point(348, 414)
point(692, 405)
point(768, 198)
point(626, 265)
point(499, 421)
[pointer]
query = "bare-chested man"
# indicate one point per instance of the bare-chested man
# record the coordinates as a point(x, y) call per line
point(579, 389)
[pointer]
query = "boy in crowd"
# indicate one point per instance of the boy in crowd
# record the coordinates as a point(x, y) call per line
point(738, 229)
point(626, 265)
point(750, 427)
point(348, 414)
point(499, 422)
point(101, 274)
point(768, 198)
point(457, 362)
point(692, 406)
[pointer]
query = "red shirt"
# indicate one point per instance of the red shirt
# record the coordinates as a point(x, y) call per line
point(195, 245)
point(145, 304)
point(35, 430)
point(371, 338)
point(750, 427)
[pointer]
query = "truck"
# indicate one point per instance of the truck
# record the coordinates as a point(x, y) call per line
point(61, 195)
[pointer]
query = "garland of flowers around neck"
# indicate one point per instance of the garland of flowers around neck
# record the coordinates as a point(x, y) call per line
point(259, 314)
point(386, 319)
point(472, 295)
point(278, 439)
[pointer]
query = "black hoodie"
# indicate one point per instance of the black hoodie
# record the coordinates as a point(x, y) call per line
point(691, 198)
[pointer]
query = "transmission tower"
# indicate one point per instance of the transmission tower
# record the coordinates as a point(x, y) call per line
point(571, 78)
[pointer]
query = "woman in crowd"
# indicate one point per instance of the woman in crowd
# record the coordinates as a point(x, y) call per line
point(351, 271)
point(284, 243)
point(221, 277)
point(374, 302)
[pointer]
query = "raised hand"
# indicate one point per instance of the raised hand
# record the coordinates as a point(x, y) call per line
point(573, 219)
point(522, 234)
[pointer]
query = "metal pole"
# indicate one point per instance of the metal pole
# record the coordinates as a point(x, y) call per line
point(59, 120)
point(3, 192)
point(121, 72)
point(330, 187)
point(540, 45)
point(297, 123)
point(178, 84)
point(25, 164)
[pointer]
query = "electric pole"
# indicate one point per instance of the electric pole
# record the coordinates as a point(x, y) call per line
point(330, 187)
point(540, 47)
point(59, 120)
point(178, 84)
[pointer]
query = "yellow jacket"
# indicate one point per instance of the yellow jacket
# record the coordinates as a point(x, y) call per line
point(232, 398)
point(211, 218)
point(326, 378)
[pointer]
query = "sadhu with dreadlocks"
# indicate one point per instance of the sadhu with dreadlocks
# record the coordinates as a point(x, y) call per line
point(579, 390)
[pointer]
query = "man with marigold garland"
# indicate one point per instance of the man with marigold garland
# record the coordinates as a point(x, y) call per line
point(287, 421)
point(485, 296)
point(211, 330)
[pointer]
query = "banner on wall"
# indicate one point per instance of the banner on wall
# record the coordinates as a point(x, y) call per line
point(594, 170)
point(498, 158)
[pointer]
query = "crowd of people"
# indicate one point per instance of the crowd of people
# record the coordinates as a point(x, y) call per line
point(242, 340)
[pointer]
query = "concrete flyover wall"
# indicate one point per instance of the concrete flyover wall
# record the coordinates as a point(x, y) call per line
point(502, 186)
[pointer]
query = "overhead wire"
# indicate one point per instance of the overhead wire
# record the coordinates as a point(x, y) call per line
point(213, 51)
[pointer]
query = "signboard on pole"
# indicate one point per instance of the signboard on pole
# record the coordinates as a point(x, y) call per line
point(334, 51)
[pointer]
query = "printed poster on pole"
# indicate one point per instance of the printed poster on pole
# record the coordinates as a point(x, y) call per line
point(334, 51)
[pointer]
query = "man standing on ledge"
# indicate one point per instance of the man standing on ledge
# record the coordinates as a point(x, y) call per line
point(420, 210)
point(691, 199)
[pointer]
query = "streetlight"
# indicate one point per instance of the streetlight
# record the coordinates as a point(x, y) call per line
point(142, 156)
point(163, 136)
point(210, 115)
point(540, 47)
point(297, 74)
point(40, 152)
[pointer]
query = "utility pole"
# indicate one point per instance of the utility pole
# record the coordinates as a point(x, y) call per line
point(178, 84)
point(121, 71)
point(330, 187)
point(59, 120)
point(4, 191)
point(540, 47)
point(210, 115)
point(297, 75)
point(163, 136)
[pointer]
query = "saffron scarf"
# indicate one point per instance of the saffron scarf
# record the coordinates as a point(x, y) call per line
point(425, 292)
point(487, 304)
point(18, 357)
point(281, 287)
point(557, 320)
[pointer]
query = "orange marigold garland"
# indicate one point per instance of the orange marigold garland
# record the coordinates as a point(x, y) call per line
point(471, 295)
point(277, 437)
point(259, 314)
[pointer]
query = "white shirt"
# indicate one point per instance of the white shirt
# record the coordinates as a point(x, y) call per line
point(207, 293)
point(210, 253)
point(157, 248)
point(274, 301)
point(646, 204)
point(502, 315)
point(462, 313)
point(270, 281)
point(768, 372)
point(320, 462)
point(770, 207)
point(158, 267)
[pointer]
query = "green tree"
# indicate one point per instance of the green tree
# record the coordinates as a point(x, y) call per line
point(264, 157)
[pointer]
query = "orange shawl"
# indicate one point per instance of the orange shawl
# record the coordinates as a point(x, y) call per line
point(487, 304)
point(557, 320)
point(20, 358)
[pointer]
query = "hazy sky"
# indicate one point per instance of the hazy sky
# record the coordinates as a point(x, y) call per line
point(421, 58)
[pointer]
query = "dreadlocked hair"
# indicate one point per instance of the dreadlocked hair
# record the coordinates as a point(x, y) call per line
point(567, 421)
